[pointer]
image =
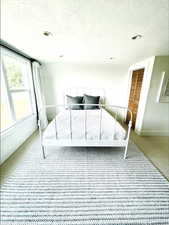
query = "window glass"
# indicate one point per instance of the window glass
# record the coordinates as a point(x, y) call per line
point(6, 118)
point(16, 89)
point(13, 71)
point(22, 104)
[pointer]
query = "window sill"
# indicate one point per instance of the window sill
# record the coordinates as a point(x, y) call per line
point(9, 130)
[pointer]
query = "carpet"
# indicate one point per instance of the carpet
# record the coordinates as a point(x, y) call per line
point(85, 186)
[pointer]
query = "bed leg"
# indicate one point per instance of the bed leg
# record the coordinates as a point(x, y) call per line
point(43, 151)
point(125, 152)
point(127, 139)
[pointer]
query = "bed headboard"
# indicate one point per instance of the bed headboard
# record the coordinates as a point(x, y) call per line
point(88, 91)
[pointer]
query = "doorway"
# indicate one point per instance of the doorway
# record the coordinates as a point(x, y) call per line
point(135, 90)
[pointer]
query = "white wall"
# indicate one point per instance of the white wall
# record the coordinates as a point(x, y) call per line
point(156, 116)
point(58, 76)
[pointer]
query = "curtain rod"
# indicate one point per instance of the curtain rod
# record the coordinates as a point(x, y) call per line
point(17, 51)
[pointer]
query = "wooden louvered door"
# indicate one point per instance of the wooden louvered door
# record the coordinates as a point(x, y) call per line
point(136, 84)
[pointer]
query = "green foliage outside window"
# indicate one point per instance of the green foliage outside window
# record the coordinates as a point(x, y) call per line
point(14, 75)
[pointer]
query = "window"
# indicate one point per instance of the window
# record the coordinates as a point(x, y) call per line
point(17, 99)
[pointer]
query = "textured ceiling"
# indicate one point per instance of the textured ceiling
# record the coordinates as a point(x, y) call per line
point(87, 30)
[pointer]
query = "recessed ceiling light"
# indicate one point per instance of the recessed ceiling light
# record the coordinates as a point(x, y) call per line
point(47, 33)
point(112, 58)
point(136, 37)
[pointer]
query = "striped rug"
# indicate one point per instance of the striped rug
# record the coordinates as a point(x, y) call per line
point(85, 186)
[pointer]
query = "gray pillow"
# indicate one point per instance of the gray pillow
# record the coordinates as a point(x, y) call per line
point(74, 100)
point(88, 99)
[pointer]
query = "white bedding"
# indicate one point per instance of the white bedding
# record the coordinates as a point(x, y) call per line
point(110, 129)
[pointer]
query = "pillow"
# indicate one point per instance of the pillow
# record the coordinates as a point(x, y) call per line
point(74, 100)
point(88, 99)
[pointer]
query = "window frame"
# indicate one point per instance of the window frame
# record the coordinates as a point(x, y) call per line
point(29, 89)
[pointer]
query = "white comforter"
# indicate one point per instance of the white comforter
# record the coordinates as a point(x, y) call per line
point(109, 128)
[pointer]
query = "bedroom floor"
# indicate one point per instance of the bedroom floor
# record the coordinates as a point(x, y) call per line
point(155, 148)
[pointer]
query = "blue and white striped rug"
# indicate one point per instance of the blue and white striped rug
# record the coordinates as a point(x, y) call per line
point(85, 186)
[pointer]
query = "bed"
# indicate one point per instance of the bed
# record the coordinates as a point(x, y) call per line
point(92, 126)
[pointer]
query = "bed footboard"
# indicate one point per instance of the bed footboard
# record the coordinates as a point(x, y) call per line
point(85, 142)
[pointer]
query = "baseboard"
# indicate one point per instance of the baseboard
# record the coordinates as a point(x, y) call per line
point(153, 132)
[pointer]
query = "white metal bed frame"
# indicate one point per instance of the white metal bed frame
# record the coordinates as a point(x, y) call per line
point(86, 142)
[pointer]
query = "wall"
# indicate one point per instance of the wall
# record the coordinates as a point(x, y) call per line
point(58, 76)
point(156, 116)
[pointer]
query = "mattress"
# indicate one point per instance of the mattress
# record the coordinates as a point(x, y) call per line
point(110, 128)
